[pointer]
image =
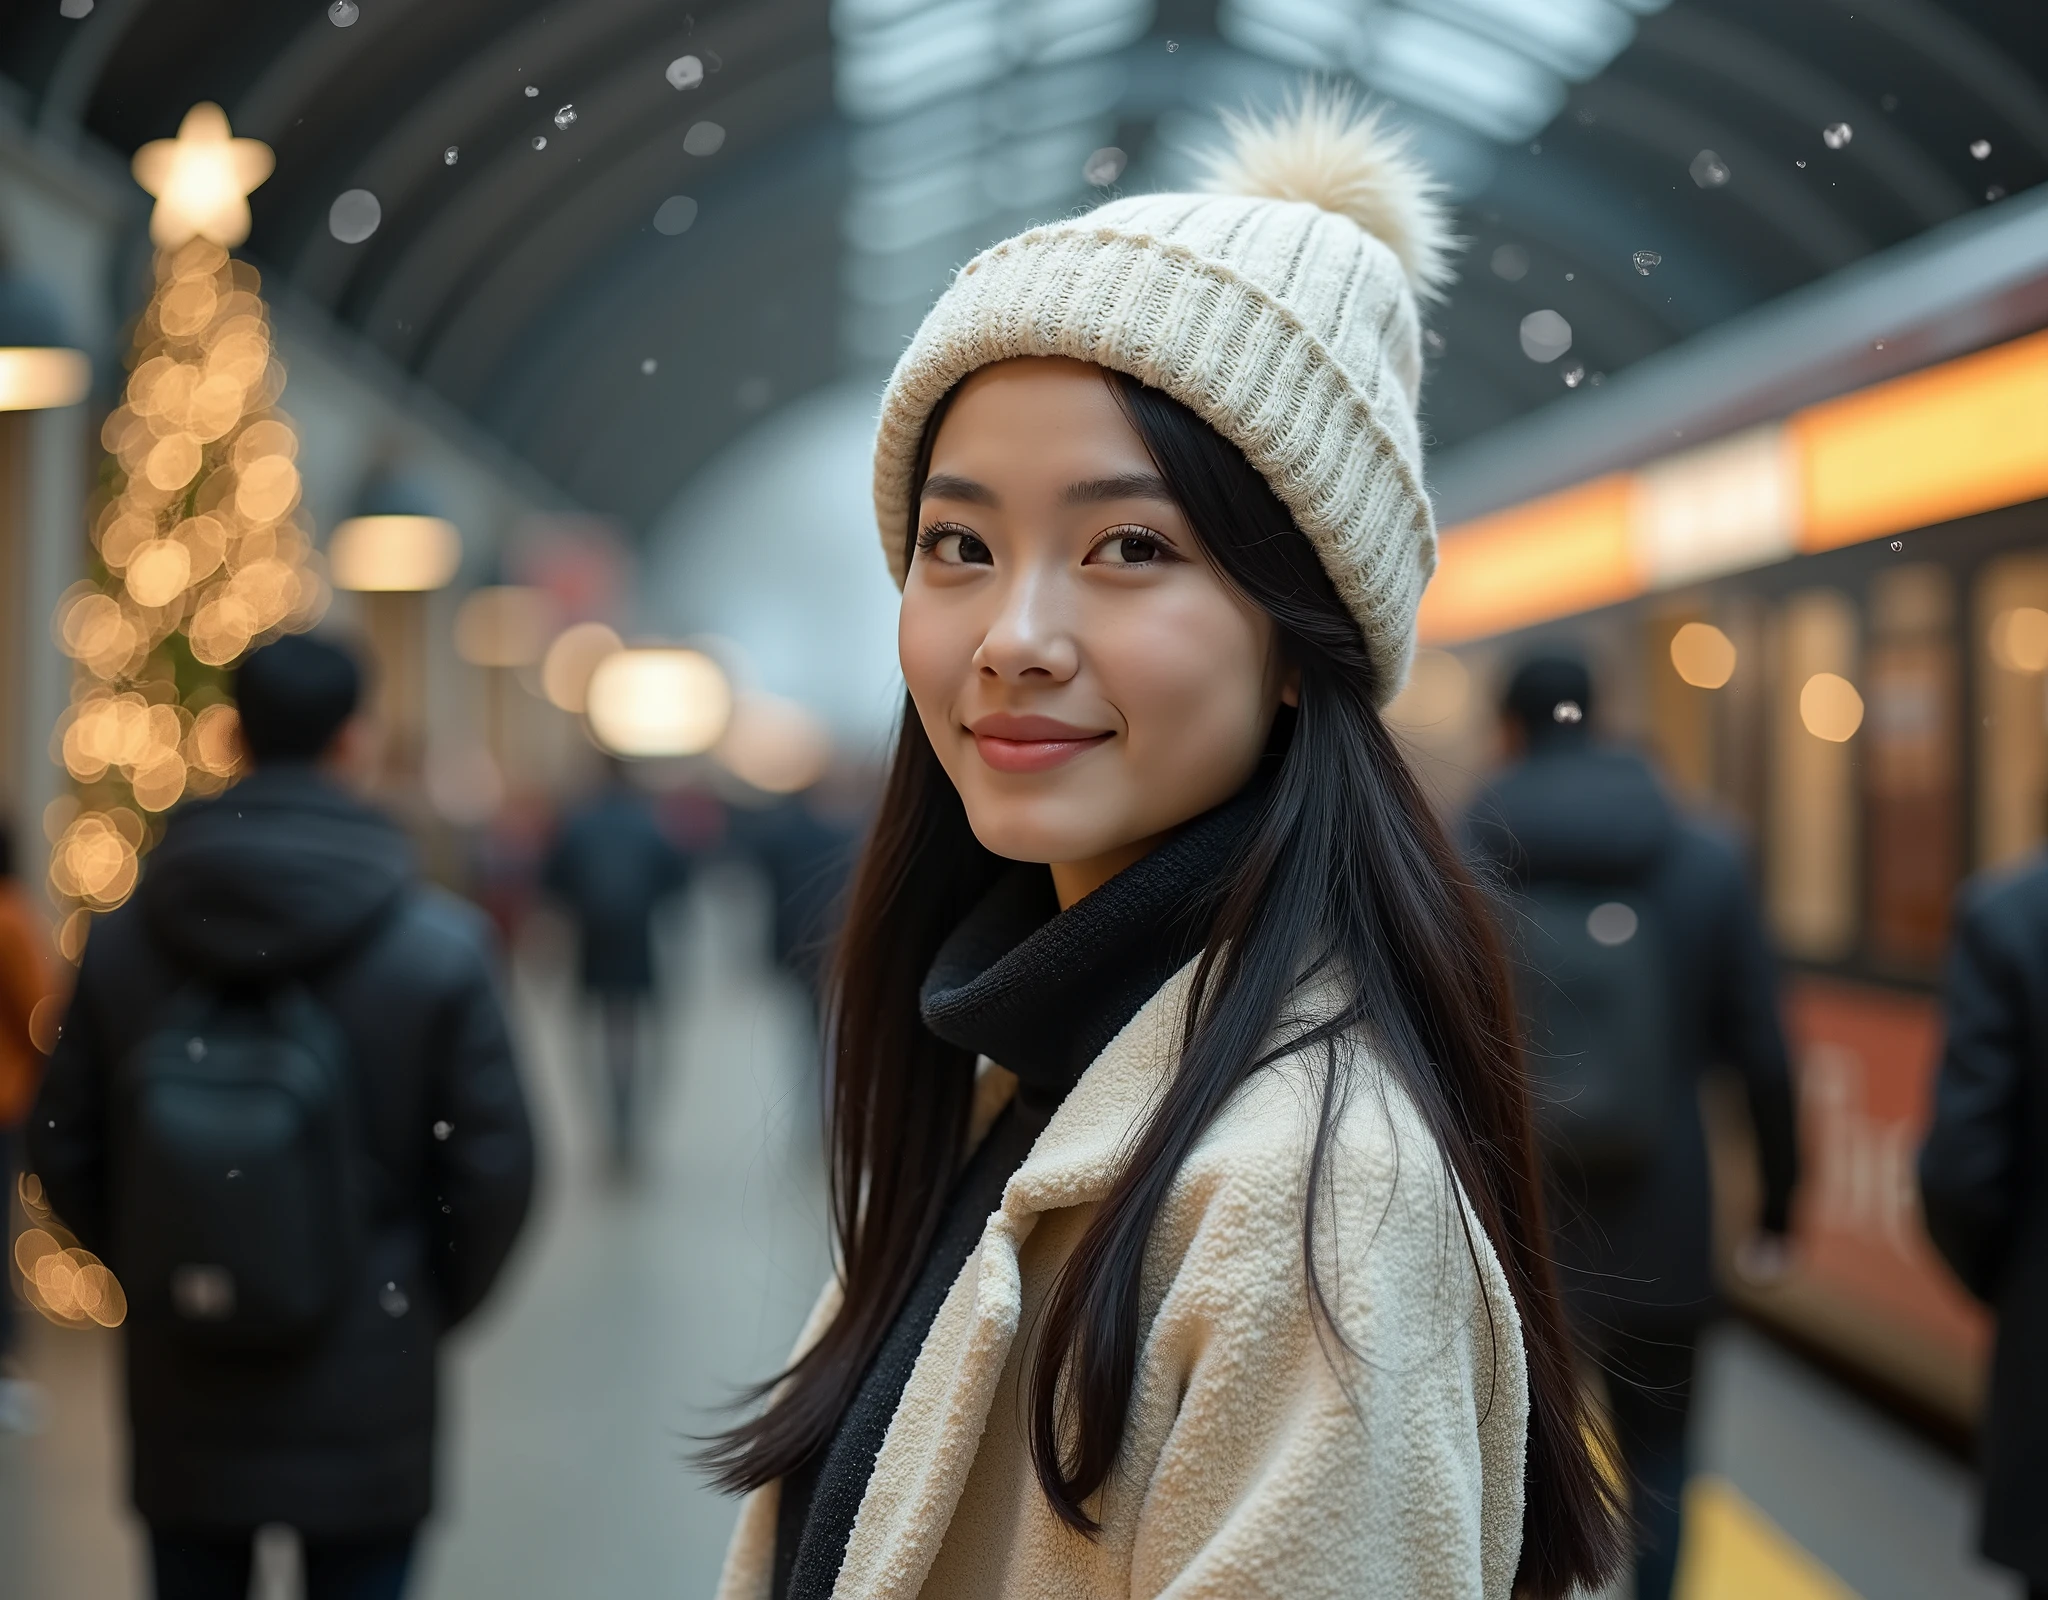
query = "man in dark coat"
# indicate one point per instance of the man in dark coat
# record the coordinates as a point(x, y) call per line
point(287, 877)
point(1982, 1175)
point(611, 867)
point(1635, 1253)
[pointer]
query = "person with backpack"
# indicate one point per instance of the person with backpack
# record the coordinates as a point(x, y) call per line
point(1640, 964)
point(283, 1108)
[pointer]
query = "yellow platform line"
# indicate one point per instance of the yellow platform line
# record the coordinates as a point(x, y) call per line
point(1732, 1551)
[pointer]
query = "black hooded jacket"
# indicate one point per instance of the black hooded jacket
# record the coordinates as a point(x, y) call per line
point(286, 876)
point(1984, 1183)
point(1585, 814)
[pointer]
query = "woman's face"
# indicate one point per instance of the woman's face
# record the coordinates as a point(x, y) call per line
point(1087, 676)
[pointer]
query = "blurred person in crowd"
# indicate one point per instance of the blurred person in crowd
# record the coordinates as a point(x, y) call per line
point(26, 982)
point(1185, 1195)
point(612, 865)
point(806, 849)
point(1984, 1185)
point(284, 1109)
point(1642, 964)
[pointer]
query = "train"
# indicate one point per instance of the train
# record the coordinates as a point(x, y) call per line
point(1830, 630)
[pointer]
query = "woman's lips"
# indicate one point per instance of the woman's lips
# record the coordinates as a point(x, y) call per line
point(1030, 744)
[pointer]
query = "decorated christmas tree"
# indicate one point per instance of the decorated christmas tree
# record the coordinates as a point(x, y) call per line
point(198, 547)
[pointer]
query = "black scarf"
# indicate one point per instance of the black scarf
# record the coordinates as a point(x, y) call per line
point(1040, 991)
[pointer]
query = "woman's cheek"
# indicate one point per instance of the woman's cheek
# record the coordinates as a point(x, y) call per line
point(1189, 688)
point(932, 657)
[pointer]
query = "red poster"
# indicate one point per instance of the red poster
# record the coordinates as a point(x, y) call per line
point(1866, 1061)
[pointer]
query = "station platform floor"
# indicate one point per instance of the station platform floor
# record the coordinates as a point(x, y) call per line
point(632, 1312)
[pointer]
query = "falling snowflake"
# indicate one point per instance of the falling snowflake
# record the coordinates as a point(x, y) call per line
point(1708, 170)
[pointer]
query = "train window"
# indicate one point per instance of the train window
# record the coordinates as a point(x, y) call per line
point(2010, 635)
point(1912, 765)
point(1811, 853)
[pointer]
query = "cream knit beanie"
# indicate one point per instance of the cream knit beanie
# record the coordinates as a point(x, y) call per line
point(1280, 307)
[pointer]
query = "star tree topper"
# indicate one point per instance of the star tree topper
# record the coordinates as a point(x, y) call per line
point(202, 179)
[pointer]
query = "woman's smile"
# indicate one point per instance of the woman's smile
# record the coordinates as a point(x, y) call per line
point(1031, 744)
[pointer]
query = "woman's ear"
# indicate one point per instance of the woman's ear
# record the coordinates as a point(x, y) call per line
point(1290, 687)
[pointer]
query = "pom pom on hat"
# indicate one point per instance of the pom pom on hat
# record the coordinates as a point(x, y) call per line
point(1323, 147)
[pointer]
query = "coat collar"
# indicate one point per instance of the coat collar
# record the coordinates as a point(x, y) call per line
point(931, 1444)
point(1078, 1156)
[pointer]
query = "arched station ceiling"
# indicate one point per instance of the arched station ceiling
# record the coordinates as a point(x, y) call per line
point(869, 145)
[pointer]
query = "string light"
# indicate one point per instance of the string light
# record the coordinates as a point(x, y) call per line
point(200, 548)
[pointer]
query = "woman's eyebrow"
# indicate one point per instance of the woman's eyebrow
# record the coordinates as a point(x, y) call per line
point(1124, 486)
point(949, 486)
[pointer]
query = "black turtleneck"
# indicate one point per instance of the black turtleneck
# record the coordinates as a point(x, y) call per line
point(1041, 991)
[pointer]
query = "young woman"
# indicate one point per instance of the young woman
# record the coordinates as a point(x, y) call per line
point(1189, 1230)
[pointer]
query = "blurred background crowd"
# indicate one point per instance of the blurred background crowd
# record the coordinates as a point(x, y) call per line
point(529, 353)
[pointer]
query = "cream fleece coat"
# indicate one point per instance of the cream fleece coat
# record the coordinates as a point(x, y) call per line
point(1260, 1459)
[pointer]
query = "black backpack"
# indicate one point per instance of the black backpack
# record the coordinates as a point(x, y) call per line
point(1593, 989)
point(241, 1175)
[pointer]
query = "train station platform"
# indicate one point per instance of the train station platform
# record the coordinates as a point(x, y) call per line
point(634, 1311)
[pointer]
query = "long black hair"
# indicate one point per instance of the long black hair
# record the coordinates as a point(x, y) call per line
point(1347, 868)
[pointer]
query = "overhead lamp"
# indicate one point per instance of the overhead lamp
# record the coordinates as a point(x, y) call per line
point(202, 179)
point(397, 543)
point(38, 368)
point(654, 702)
point(394, 553)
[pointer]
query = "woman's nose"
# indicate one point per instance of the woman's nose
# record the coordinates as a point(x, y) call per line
point(1031, 634)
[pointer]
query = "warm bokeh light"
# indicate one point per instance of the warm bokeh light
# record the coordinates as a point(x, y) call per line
point(158, 571)
point(565, 670)
point(1830, 707)
point(34, 378)
point(776, 745)
point(503, 626)
point(658, 702)
point(202, 179)
point(96, 860)
point(393, 553)
point(1438, 691)
point(215, 743)
point(2019, 639)
point(67, 1283)
point(1703, 655)
point(71, 934)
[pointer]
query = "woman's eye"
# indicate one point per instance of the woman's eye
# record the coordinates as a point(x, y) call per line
point(955, 545)
point(1132, 549)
